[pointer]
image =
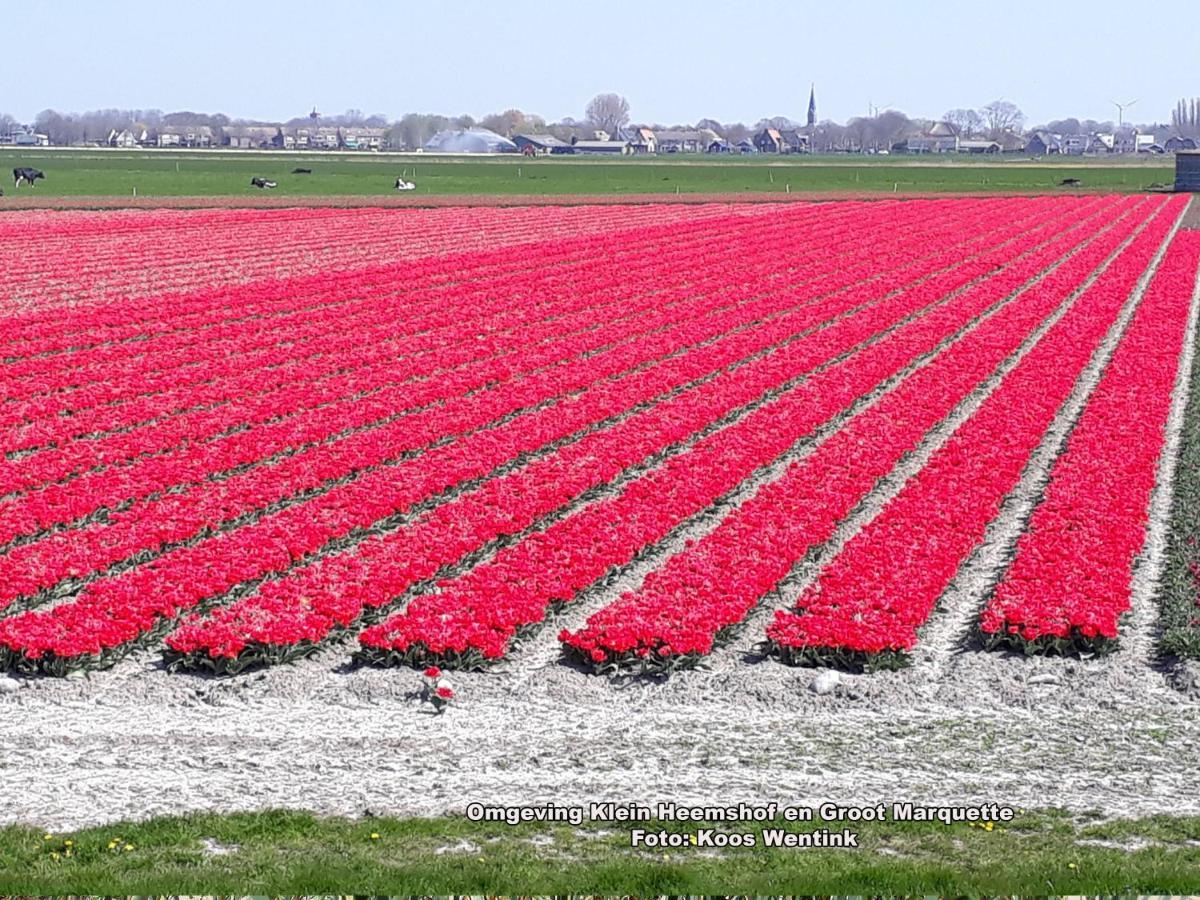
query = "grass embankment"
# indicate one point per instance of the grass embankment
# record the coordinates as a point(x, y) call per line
point(296, 853)
point(184, 173)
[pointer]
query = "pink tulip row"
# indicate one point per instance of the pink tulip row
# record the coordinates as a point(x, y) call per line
point(475, 617)
point(384, 400)
point(1070, 582)
point(289, 616)
point(462, 323)
point(704, 592)
point(240, 319)
point(88, 487)
point(111, 487)
point(111, 612)
point(869, 603)
point(126, 259)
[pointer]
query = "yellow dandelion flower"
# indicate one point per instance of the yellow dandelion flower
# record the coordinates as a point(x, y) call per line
point(68, 843)
point(54, 855)
point(47, 837)
point(988, 826)
point(374, 835)
point(1070, 865)
point(128, 847)
point(112, 845)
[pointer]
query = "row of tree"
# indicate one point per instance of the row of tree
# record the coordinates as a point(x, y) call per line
point(1185, 118)
point(605, 112)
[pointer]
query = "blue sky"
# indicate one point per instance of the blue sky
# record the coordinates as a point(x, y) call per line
point(675, 61)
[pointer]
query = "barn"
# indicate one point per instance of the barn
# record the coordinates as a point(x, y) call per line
point(1187, 170)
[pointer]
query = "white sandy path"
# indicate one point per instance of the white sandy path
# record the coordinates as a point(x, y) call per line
point(135, 742)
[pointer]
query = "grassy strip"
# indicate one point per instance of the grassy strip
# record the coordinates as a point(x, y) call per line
point(1179, 590)
point(297, 853)
point(215, 173)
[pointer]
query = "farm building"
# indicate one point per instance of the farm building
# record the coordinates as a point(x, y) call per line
point(1187, 170)
point(1175, 144)
point(538, 144)
point(611, 148)
point(940, 138)
point(979, 147)
point(30, 139)
point(470, 140)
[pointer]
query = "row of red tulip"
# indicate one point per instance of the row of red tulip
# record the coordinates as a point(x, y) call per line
point(291, 615)
point(869, 603)
point(475, 617)
point(111, 612)
point(458, 325)
point(477, 383)
point(233, 319)
point(1070, 581)
point(708, 589)
point(38, 563)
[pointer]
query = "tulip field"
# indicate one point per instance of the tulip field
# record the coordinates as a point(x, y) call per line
point(237, 438)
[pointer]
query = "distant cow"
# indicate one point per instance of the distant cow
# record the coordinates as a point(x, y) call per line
point(1070, 182)
point(301, 171)
point(261, 183)
point(402, 185)
point(26, 174)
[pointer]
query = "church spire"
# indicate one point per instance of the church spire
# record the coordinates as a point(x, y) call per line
point(812, 106)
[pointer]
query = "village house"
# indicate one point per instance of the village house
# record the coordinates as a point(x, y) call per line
point(768, 141)
point(363, 137)
point(254, 137)
point(128, 137)
point(185, 136)
point(642, 140)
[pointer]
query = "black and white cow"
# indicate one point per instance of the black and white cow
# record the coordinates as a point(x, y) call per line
point(402, 185)
point(26, 174)
point(261, 183)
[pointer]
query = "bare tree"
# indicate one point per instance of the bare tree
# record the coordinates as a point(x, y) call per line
point(512, 121)
point(608, 112)
point(415, 129)
point(7, 124)
point(736, 131)
point(1185, 118)
point(967, 122)
point(1001, 116)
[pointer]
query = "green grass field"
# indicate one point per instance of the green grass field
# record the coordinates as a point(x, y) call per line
point(297, 853)
point(174, 173)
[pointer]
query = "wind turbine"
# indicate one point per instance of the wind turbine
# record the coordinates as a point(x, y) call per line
point(1121, 107)
point(874, 110)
